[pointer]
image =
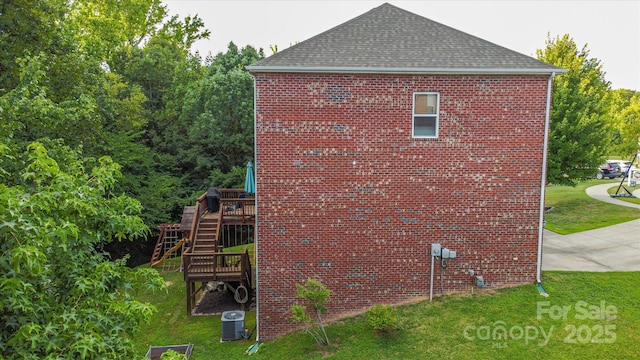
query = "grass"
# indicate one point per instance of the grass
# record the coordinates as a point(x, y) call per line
point(171, 325)
point(613, 189)
point(452, 327)
point(574, 211)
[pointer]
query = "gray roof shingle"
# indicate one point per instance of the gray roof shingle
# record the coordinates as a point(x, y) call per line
point(388, 39)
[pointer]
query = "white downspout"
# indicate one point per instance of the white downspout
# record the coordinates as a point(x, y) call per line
point(543, 181)
point(255, 226)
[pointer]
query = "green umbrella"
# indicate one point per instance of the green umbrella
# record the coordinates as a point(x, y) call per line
point(250, 180)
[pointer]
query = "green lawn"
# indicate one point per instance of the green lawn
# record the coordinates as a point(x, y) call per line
point(454, 327)
point(463, 326)
point(621, 191)
point(574, 211)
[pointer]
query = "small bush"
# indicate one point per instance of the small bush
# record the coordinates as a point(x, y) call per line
point(382, 318)
point(172, 355)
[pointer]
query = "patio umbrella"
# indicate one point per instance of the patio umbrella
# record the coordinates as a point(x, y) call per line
point(250, 180)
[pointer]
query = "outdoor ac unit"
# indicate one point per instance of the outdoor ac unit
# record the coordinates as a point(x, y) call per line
point(232, 325)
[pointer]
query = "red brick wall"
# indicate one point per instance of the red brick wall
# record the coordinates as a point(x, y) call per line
point(345, 194)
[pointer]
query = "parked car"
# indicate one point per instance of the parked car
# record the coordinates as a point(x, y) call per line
point(609, 170)
point(624, 165)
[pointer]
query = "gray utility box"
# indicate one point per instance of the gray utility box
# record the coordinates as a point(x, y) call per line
point(232, 325)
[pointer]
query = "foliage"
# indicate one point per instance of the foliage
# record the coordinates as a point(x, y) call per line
point(27, 27)
point(233, 179)
point(578, 129)
point(382, 318)
point(214, 114)
point(316, 293)
point(625, 108)
point(184, 32)
point(105, 27)
point(433, 329)
point(61, 296)
point(172, 355)
point(116, 78)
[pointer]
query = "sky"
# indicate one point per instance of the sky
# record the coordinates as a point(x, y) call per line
point(610, 30)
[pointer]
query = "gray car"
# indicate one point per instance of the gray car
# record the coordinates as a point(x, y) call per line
point(609, 170)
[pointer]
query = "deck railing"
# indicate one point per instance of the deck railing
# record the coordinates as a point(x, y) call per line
point(219, 265)
point(197, 215)
point(239, 208)
point(215, 264)
point(234, 204)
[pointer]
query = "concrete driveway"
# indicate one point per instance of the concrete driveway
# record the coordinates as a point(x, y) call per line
point(613, 248)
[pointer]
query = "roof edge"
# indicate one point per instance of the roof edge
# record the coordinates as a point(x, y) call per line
point(372, 70)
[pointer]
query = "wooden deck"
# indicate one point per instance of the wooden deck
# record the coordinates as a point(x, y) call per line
point(205, 260)
point(218, 266)
point(239, 210)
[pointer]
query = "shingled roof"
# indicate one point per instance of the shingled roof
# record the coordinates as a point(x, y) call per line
point(388, 39)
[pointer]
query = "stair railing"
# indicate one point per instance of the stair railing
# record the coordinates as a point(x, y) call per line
point(197, 216)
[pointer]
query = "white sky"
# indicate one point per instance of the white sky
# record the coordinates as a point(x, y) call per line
point(610, 29)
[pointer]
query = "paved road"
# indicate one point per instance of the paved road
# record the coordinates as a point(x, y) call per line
point(613, 248)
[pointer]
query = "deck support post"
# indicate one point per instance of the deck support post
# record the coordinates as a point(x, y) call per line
point(191, 290)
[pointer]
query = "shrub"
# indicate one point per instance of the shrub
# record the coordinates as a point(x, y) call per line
point(317, 294)
point(382, 318)
point(172, 355)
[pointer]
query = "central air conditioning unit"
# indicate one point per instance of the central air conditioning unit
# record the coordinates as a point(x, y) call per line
point(232, 325)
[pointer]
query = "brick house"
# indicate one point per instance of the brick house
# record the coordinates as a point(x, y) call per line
point(382, 136)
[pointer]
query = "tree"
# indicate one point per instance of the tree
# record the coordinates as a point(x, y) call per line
point(630, 121)
point(317, 294)
point(116, 78)
point(109, 26)
point(61, 297)
point(625, 110)
point(27, 27)
point(221, 132)
point(578, 130)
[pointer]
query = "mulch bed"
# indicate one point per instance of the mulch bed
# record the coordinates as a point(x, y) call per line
point(214, 302)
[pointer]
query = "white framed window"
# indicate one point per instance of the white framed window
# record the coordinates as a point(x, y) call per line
point(426, 107)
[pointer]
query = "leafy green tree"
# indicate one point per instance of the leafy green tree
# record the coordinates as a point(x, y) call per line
point(61, 297)
point(27, 27)
point(184, 32)
point(125, 119)
point(220, 134)
point(116, 78)
point(317, 294)
point(109, 26)
point(157, 173)
point(77, 82)
point(28, 113)
point(579, 131)
point(630, 120)
point(625, 110)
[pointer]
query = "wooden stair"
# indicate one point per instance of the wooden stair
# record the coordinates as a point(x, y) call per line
point(204, 260)
point(206, 238)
